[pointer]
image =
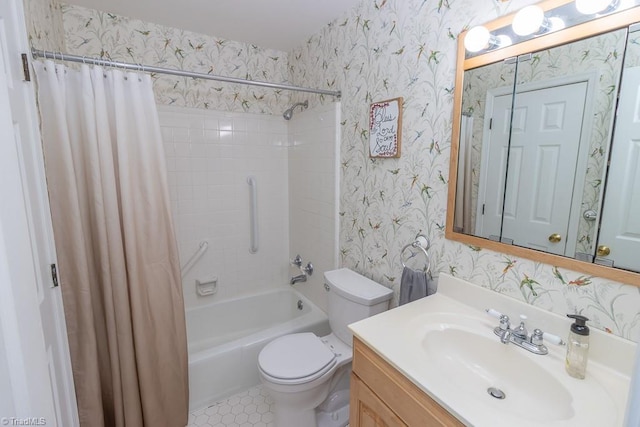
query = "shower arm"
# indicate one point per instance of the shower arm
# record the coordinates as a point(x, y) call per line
point(288, 114)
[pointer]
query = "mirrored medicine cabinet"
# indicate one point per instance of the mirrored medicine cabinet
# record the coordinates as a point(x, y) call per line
point(546, 144)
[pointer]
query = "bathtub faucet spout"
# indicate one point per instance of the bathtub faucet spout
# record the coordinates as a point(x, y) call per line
point(298, 278)
point(307, 270)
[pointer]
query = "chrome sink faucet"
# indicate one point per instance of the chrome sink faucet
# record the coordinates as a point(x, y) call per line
point(520, 336)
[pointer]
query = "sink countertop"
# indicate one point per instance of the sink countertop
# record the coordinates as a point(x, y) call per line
point(401, 335)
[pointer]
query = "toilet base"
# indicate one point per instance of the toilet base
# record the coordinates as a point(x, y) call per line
point(334, 411)
point(337, 418)
point(293, 418)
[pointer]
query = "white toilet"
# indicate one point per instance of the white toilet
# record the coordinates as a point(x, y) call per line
point(308, 376)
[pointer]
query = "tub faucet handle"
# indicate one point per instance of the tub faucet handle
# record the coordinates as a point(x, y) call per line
point(308, 269)
point(297, 261)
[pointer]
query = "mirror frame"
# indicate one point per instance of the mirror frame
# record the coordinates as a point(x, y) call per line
point(588, 29)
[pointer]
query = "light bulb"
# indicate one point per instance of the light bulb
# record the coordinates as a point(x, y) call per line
point(591, 7)
point(503, 41)
point(477, 39)
point(528, 21)
point(556, 23)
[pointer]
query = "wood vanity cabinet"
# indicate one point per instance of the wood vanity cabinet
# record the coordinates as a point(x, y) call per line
point(383, 397)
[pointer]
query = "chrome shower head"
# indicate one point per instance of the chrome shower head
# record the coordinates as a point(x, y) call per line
point(289, 113)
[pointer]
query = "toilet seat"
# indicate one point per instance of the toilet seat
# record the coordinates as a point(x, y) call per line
point(296, 359)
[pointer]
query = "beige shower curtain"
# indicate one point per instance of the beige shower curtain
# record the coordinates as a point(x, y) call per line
point(116, 248)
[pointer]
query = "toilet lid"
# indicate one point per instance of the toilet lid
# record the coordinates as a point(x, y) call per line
point(295, 356)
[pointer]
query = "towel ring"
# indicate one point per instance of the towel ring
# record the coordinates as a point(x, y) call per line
point(417, 245)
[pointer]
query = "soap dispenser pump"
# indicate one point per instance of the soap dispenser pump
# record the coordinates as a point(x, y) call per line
point(577, 347)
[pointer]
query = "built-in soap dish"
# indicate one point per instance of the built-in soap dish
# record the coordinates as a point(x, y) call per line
point(207, 287)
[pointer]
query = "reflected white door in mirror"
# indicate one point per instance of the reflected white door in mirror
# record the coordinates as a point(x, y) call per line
point(536, 144)
point(621, 211)
point(542, 173)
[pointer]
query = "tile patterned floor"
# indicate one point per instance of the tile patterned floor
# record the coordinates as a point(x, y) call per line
point(251, 408)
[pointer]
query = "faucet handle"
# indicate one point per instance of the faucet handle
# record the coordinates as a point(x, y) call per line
point(504, 319)
point(536, 337)
point(504, 322)
point(308, 269)
point(553, 339)
point(297, 261)
point(493, 313)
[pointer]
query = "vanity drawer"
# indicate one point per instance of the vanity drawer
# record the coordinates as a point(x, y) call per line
point(403, 399)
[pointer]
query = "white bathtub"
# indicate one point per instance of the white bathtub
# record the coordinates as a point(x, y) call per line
point(225, 339)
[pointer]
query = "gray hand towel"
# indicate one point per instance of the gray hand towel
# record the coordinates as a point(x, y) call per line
point(413, 285)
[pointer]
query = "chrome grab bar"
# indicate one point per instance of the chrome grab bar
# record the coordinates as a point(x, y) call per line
point(253, 213)
point(204, 245)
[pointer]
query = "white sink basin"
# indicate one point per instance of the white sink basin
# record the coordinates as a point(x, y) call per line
point(472, 364)
point(448, 349)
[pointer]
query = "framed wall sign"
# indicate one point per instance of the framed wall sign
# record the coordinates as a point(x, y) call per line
point(385, 128)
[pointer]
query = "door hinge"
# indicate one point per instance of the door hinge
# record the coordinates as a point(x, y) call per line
point(54, 275)
point(525, 57)
point(491, 123)
point(483, 209)
point(603, 261)
point(25, 67)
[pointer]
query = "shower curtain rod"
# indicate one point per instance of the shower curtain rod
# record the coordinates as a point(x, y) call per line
point(151, 69)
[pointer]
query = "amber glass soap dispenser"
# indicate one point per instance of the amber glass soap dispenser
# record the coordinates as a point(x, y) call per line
point(577, 347)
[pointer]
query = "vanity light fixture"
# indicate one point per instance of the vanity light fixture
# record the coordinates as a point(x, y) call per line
point(556, 23)
point(479, 38)
point(591, 7)
point(530, 20)
point(533, 21)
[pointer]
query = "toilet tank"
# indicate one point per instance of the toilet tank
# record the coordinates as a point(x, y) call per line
point(353, 297)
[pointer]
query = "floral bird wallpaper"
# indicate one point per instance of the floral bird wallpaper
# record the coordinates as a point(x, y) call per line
point(106, 35)
point(381, 49)
point(387, 48)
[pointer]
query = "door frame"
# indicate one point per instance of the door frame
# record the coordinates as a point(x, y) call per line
point(591, 78)
point(40, 387)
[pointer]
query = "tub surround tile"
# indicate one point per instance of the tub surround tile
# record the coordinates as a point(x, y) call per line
point(313, 179)
point(210, 197)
